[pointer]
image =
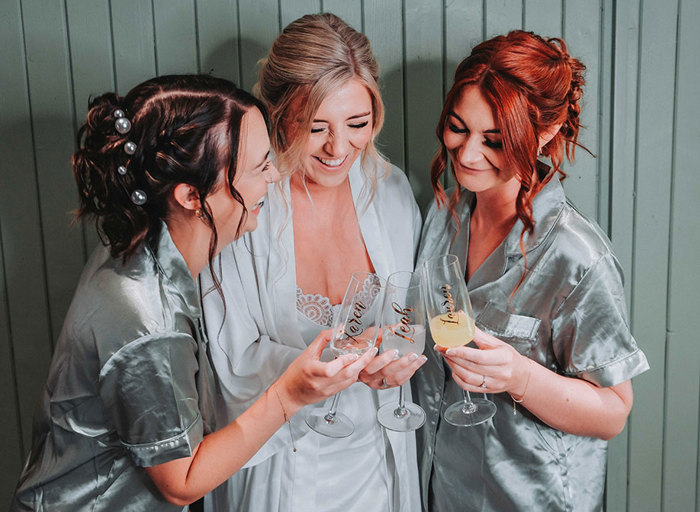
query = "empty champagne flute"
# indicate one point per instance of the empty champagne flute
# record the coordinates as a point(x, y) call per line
point(355, 330)
point(403, 329)
point(452, 325)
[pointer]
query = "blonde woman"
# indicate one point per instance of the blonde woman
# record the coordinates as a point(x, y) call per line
point(341, 208)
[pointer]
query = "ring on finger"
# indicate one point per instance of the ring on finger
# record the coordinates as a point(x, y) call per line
point(483, 382)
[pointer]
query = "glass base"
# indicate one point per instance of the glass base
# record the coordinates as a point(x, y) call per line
point(392, 417)
point(465, 414)
point(337, 425)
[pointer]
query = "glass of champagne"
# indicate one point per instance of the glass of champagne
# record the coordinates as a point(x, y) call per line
point(452, 325)
point(403, 320)
point(355, 330)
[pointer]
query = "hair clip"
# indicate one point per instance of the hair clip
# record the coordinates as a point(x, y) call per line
point(130, 148)
point(122, 124)
point(138, 197)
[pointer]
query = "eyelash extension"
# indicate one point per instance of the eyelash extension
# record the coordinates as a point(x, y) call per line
point(493, 145)
point(455, 129)
point(355, 126)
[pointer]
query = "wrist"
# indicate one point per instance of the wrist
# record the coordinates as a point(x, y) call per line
point(287, 398)
point(519, 392)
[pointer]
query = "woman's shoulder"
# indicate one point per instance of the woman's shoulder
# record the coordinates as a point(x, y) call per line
point(118, 302)
point(581, 237)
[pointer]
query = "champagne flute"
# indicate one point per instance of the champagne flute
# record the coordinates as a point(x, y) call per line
point(355, 329)
point(452, 325)
point(403, 320)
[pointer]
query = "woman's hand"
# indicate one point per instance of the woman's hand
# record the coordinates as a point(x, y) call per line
point(308, 380)
point(388, 370)
point(494, 367)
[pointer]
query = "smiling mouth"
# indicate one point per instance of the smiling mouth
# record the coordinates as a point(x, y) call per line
point(331, 163)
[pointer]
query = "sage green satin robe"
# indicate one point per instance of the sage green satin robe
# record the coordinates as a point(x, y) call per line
point(129, 386)
point(569, 315)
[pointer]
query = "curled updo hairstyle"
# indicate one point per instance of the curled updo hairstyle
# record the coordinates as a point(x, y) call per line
point(186, 129)
point(312, 57)
point(531, 84)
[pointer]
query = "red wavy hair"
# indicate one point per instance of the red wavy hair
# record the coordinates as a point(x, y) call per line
point(531, 84)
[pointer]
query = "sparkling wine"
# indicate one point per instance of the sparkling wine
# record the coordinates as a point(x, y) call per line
point(452, 329)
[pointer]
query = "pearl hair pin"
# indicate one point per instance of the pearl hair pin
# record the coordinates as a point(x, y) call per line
point(121, 124)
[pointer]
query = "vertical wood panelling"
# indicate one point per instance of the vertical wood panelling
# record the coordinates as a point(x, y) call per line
point(92, 66)
point(349, 10)
point(543, 17)
point(23, 252)
point(680, 458)
point(51, 96)
point(423, 86)
point(651, 233)
point(259, 26)
point(175, 30)
point(289, 11)
point(217, 27)
point(463, 31)
point(502, 16)
point(132, 36)
point(387, 46)
point(11, 446)
point(582, 34)
point(640, 115)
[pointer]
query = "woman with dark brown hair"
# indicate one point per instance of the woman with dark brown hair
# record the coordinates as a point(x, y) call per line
point(171, 173)
point(553, 347)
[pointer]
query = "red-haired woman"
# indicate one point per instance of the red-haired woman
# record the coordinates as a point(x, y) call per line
point(554, 348)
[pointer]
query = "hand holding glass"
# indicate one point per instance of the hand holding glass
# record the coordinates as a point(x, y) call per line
point(355, 329)
point(403, 320)
point(452, 325)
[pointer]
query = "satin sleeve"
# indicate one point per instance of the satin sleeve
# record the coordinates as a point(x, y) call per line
point(591, 336)
point(149, 391)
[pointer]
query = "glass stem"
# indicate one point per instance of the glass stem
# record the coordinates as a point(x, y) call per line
point(468, 407)
point(401, 411)
point(331, 412)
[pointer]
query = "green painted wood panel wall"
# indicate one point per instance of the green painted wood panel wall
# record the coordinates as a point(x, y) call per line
point(641, 111)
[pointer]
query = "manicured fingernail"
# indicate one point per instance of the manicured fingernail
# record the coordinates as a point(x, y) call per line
point(396, 354)
point(412, 356)
point(374, 351)
point(423, 359)
point(353, 357)
point(449, 352)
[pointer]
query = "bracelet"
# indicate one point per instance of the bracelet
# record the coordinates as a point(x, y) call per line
point(527, 383)
point(286, 418)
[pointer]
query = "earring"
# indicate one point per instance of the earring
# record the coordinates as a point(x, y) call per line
point(199, 213)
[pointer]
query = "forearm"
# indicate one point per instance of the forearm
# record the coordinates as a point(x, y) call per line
point(574, 405)
point(222, 453)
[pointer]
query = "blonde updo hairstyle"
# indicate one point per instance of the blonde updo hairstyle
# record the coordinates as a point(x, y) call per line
point(313, 56)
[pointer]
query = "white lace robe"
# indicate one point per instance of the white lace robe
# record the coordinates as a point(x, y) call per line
point(258, 337)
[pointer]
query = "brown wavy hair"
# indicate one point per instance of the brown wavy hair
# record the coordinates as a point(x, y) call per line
point(531, 84)
point(186, 128)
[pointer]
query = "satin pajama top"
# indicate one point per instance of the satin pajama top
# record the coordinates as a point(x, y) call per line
point(569, 315)
point(129, 386)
